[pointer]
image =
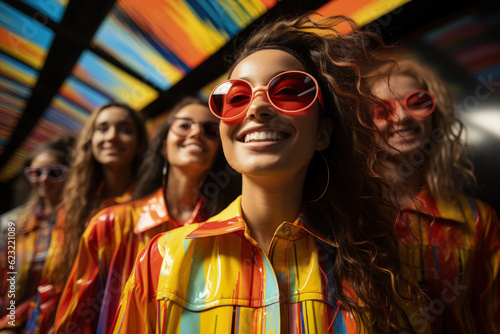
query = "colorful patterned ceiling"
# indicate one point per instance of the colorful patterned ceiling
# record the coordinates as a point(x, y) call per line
point(158, 41)
point(137, 53)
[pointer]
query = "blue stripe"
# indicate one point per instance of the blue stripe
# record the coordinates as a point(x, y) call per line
point(339, 324)
point(434, 250)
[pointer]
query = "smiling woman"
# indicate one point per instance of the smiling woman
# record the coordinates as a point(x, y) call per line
point(35, 230)
point(451, 241)
point(177, 171)
point(309, 246)
point(104, 169)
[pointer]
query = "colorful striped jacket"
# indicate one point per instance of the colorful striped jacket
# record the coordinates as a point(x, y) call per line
point(25, 249)
point(454, 249)
point(42, 309)
point(214, 278)
point(106, 256)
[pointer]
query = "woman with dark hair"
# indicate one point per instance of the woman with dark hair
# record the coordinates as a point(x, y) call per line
point(104, 169)
point(46, 169)
point(184, 179)
point(450, 241)
point(309, 245)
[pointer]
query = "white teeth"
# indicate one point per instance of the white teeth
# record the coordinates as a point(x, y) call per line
point(262, 136)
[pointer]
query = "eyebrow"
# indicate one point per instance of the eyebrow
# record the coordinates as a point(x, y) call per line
point(272, 75)
point(120, 123)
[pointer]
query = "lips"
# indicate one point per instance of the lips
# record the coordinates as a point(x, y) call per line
point(406, 132)
point(195, 146)
point(111, 150)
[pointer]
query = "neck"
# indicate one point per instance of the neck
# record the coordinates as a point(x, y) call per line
point(269, 201)
point(50, 206)
point(410, 180)
point(116, 181)
point(182, 193)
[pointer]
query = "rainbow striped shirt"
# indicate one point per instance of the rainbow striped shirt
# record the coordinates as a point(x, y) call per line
point(214, 278)
point(453, 248)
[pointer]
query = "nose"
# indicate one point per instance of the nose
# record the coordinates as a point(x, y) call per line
point(195, 131)
point(111, 133)
point(43, 177)
point(260, 107)
point(399, 113)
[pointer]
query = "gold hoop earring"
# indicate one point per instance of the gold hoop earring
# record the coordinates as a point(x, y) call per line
point(164, 174)
point(327, 179)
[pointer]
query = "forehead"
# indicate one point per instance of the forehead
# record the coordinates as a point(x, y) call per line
point(397, 86)
point(113, 115)
point(44, 159)
point(261, 66)
point(197, 112)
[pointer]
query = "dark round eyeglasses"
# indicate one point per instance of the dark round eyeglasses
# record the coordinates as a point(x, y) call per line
point(182, 126)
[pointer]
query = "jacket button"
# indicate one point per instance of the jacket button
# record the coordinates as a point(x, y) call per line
point(286, 229)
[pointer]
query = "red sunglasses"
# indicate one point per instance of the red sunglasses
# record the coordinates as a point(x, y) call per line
point(419, 103)
point(56, 173)
point(289, 92)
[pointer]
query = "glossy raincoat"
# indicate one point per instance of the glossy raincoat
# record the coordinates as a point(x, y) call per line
point(214, 278)
point(25, 290)
point(453, 248)
point(106, 256)
point(42, 309)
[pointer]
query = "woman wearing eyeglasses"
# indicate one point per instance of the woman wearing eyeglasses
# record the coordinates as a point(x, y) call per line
point(451, 241)
point(309, 246)
point(28, 250)
point(104, 170)
point(184, 179)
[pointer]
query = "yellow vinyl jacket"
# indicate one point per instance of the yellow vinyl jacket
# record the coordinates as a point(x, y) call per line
point(107, 252)
point(212, 277)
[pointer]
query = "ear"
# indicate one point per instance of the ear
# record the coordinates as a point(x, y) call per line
point(324, 134)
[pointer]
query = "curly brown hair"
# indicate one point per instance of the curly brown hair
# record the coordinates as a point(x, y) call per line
point(354, 212)
point(447, 169)
point(83, 181)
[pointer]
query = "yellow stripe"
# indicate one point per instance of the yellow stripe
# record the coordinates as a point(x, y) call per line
point(376, 9)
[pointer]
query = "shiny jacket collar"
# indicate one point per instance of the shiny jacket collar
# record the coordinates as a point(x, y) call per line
point(458, 209)
point(231, 220)
point(153, 212)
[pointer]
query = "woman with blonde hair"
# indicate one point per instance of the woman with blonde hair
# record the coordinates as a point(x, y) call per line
point(104, 171)
point(450, 241)
point(309, 246)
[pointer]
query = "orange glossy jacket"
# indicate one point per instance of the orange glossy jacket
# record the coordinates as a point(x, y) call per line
point(106, 256)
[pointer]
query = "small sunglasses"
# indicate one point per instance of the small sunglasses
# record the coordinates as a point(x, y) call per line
point(419, 103)
point(182, 127)
point(289, 92)
point(56, 173)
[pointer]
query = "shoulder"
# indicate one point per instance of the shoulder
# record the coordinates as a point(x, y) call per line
point(177, 237)
point(118, 212)
point(149, 261)
point(477, 207)
point(456, 207)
